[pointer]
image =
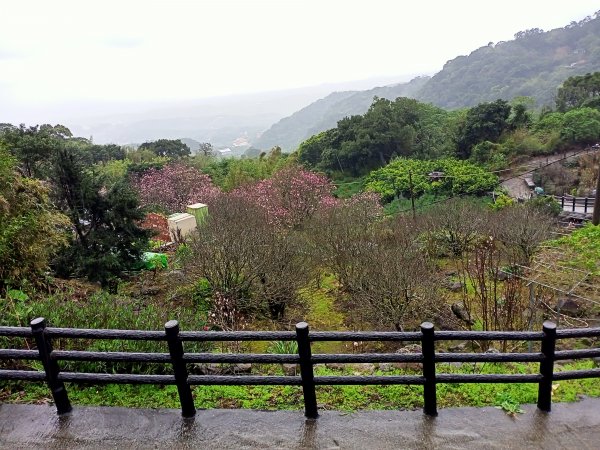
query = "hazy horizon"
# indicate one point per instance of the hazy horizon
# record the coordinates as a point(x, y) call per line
point(79, 63)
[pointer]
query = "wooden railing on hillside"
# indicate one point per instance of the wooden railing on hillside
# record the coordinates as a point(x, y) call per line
point(570, 203)
point(178, 359)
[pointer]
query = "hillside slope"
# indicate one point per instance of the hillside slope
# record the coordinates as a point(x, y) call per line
point(325, 113)
point(534, 64)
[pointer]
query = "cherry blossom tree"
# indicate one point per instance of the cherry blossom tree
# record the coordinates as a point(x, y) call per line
point(174, 187)
point(291, 196)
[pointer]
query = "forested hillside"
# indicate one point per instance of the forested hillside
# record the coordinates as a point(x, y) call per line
point(534, 64)
point(324, 113)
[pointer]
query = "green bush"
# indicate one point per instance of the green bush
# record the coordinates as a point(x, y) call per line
point(460, 177)
point(101, 310)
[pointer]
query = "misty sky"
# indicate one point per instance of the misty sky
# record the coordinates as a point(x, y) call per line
point(53, 53)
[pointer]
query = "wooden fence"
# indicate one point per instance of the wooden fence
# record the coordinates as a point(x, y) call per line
point(576, 204)
point(179, 360)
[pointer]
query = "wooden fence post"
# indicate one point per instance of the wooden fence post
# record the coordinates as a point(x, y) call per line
point(428, 350)
point(179, 369)
point(544, 402)
point(306, 371)
point(57, 387)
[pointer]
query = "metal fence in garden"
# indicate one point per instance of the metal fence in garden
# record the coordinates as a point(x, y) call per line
point(178, 359)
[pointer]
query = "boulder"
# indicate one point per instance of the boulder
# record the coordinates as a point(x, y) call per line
point(455, 286)
point(364, 368)
point(242, 368)
point(385, 367)
point(411, 348)
point(222, 369)
point(290, 370)
point(461, 312)
point(335, 366)
point(569, 307)
point(176, 275)
point(207, 369)
point(408, 366)
point(149, 290)
point(457, 348)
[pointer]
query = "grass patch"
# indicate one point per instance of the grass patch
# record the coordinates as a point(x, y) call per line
point(344, 398)
point(323, 314)
point(347, 187)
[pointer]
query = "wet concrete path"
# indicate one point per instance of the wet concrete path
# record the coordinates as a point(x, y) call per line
point(569, 426)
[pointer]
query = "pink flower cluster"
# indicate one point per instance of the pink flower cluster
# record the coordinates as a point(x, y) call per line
point(291, 196)
point(174, 187)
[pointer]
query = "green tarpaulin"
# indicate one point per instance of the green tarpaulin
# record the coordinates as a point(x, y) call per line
point(151, 261)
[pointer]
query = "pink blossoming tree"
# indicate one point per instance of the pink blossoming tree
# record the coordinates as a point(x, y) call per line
point(174, 187)
point(291, 196)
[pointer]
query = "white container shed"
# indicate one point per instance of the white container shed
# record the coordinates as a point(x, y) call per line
point(181, 224)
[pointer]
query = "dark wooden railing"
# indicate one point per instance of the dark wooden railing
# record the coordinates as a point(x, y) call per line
point(179, 360)
point(570, 203)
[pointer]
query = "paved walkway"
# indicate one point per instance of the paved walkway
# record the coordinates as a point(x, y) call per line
point(516, 187)
point(569, 426)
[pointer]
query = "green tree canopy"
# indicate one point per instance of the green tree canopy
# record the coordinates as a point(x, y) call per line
point(172, 148)
point(484, 122)
point(33, 146)
point(578, 91)
point(403, 127)
point(581, 125)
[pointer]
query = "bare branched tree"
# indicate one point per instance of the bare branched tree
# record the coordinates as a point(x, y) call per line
point(224, 248)
point(454, 227)
point(508, 240)
point(522, 229)
point(394, 283)
point(285, 269)
point(245, 259)
point(339, 237)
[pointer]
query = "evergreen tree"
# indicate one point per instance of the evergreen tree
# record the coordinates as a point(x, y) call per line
point(106, 239)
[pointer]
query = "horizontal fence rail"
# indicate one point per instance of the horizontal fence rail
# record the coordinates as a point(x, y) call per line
point(178, 360)
point(576, 204)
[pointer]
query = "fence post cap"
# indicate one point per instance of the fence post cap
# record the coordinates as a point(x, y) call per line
point(172, 324)
point(301, 326)
point(38, 322)
point(549, 325)
point(426, 326)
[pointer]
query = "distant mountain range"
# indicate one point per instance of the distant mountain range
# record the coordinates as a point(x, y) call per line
point(222, 121)
point(534, 64)
point(325, 113)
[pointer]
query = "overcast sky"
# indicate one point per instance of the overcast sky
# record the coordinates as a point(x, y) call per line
point(55, 52)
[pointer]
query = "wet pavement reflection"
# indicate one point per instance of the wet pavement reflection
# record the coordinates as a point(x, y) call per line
point(573, 425)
